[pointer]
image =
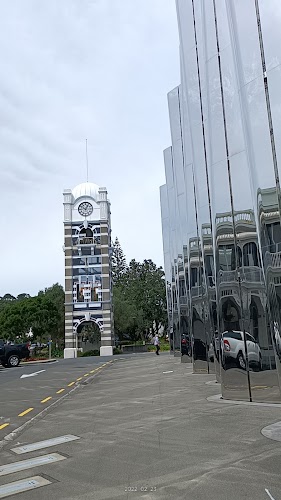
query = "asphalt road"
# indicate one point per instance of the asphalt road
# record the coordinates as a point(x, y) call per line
point(22, 397)
point(143, 428)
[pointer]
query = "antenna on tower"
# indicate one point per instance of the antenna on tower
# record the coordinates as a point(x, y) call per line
point(87, 163)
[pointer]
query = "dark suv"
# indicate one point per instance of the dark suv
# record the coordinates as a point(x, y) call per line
point(11, 354)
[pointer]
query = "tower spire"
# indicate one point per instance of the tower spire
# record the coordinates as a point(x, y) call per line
point(87, 163)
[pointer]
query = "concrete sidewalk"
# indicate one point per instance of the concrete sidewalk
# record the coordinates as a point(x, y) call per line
point(153, 435)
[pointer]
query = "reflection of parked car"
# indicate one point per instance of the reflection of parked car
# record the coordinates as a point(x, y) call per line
point(233, 347)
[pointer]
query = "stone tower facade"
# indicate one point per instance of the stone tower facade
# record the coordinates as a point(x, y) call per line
point(88, 284)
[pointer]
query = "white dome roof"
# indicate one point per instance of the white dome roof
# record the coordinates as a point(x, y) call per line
point(86, 189)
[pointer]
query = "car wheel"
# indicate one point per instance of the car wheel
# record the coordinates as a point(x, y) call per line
point(241, 361)
point(13, 361)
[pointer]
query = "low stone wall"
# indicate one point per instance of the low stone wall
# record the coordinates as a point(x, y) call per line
point(133, 348)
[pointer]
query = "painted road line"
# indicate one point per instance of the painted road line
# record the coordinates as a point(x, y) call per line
point(86, 375)
point(32, 374)
point(71, 383)
point(269, 494)
point(169, 371)
point(25, 412)
point(24, 485)
point(92, 371)
point(44, 444)
point(30, 463)
point(46, 399)
point(3, 426)
point(60, 391)
point(80, 378)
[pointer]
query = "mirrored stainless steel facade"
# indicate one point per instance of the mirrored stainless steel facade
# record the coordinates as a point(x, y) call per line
point(221, 201)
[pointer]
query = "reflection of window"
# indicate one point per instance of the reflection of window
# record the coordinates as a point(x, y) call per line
point(274, 235)
point(86, 233)
point(87, 261)
point(94, 295)
point(86, 250)
point(182, 288)
point(94, 260)
point(250, 338)
point(86, 271)
point(194, 276)
point(227, 257)
point(232, 335)
point(250, 255)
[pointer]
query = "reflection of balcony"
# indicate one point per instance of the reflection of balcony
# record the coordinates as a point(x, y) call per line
point(273, 260)
point(227, 276)
point(250, 274)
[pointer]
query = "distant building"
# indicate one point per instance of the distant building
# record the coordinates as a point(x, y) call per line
point(88, 286)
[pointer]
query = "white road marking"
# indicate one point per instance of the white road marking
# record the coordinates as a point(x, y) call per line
point(30, 463)
point(169, 371)
point(24, 485)
point(32, 374)
point(44, 444)
point(269, 494)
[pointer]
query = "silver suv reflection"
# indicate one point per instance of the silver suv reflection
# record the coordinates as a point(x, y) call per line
point(233, 348)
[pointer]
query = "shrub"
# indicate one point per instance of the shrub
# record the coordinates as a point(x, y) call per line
point(116, 350)
point(57, 353)
point(94, 352)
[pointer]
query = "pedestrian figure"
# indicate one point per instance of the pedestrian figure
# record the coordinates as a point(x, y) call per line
point(157, 344)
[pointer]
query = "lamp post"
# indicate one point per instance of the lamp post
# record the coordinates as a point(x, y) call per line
point(50, 347)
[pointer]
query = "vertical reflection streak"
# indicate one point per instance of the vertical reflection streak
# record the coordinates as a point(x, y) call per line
point(231, 194)
point(208, 321)
point(268, 105)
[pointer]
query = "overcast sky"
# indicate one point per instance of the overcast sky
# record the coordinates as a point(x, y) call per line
point(72, 69)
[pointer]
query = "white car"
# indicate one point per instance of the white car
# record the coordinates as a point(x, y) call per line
point(233, 347)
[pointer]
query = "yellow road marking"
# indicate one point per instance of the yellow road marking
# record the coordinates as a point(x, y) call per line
point(25, 412)
point(80, 378)
point(3, 426)
point(93, 371)
point(86, 374)
point(46, 399)
point(71, 383)
point(61, 390)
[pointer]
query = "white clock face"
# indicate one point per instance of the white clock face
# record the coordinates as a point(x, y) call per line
point(85, 208)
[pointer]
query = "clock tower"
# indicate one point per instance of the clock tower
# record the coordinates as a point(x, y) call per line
point(88, 284)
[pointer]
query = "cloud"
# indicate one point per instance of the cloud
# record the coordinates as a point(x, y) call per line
point(72, 70)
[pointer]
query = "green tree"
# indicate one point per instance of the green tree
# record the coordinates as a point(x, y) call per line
point(118, 262)
point(44, 314)
point(139, 299)
point(91, 333)
point(23, 296)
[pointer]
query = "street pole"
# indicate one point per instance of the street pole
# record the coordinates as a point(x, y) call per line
point(50, 348)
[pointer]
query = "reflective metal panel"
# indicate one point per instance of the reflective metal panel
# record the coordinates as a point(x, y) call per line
point(224, 196)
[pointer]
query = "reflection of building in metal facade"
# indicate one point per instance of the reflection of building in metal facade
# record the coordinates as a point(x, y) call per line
point(88, 297)
point(221, 201)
